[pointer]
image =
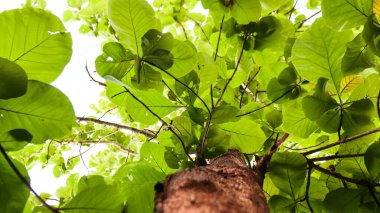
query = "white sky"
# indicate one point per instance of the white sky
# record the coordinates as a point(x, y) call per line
point(75, 83)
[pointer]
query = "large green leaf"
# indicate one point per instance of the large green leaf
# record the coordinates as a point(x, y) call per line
point(96, 199)
point(14, 193)
point(246, 135)
point(288, 172)
point(346, 13)
point(137, 183)
point(37, 41)
point(185, 58)
point(295, 121)
point(357, 57)
point(245, 11)
point(13, 79)
point(372, 160)
point(278, 203)
point(15, 139)
point(272, 5)
point(318, 53)
point(131, 19)
point(342, 200)
point(43, 111)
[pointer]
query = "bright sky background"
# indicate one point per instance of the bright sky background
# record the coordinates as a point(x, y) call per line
point(75, 83)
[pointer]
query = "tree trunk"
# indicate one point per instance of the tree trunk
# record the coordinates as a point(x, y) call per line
point(225, 185)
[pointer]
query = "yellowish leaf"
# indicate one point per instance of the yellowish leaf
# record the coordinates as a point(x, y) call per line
point(350, 82)
point(376, 10)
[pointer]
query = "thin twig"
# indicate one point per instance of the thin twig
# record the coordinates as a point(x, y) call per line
point(98, 82)
point(378, 104)
point(25, 181)
point(233, 74)
point(146, 132)
point(332, 157)
point(345, 140)
point(182, 27)
point(308, 188)
point(106, 112)
point(372, 192)
point(246, 86)
point(200, 26)
point(217, 44)
point(267, 105)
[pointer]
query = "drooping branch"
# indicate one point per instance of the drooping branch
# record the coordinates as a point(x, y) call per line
point(245, 86)
point(146, 132)
point(345, 140)
point(341, 177)
point(25, 181)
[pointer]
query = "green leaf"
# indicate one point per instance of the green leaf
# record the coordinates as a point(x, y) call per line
point(246, 135)
point(184, 126)
point(345, 14)
point(315, 105)
point(131, 19)
point(371, 35)
point(41, 51)
point(153, 99)
point(156, 48)
point(224, 113)
point(329, 121)
point(358, 56)
point(274, 118)
point(245, 11)
point(288, 172)
point(115, 61)
point(280, 93)
point(318, 54)
point(15, 139)
point(13, 79)
point(342, 200)
point(137, 181)
point(99, 198)
point(278, 203)
point(271, 5)
point(152, 153)
point(372, 160)
point(369, 88)
point(43, 111)
point(358, 116)
point(295, 121)
point(14, 193)
point(185, 58)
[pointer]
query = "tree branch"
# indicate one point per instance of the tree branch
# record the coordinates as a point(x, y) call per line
point(332, 157)
point(146, 132)
point(98, 82)
point(217, 44)
point(346, 140)
point(25, 181)
point(341, 177)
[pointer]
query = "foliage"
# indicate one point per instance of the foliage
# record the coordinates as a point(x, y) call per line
point(300, 99)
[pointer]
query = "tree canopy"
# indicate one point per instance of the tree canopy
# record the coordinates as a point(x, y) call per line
point(298, 96)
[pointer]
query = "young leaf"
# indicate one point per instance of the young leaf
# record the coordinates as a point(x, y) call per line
point(245, 11)
point(350, 83)
point(13, 79)
point(41, 51)
point(318, 53)
point(131, 19)
point(43, 111)
point(288, 172)
point(278, 203)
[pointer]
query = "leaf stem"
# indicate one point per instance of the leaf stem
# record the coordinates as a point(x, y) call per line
point(217, 44)
point(332, 157)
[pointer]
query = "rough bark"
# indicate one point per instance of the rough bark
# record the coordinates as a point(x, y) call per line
point(225, 185)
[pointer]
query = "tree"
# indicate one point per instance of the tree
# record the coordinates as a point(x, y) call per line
point(274, 107)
